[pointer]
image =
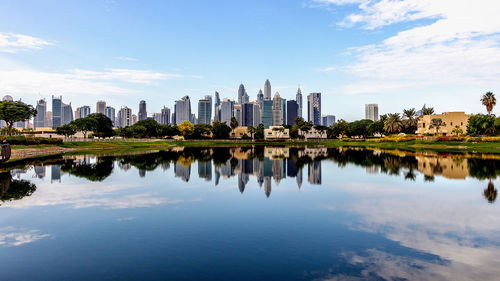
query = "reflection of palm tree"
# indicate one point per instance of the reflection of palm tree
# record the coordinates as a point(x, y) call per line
point(410, 175)
point(490, 193)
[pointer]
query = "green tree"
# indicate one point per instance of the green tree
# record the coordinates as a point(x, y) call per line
point(201, 131)
point(103, 126)
point(85, 125)
point(339, 129)
point(437, 123)
point(489, 101)
point(393, 123)
point(220, 130)
point(14, 111)
point(251, 130)
point(66, 130)
point(259, 132)
point(234, 123)
point(151, 126)
point(481, 124)
point(376, 128)
point(360, 128)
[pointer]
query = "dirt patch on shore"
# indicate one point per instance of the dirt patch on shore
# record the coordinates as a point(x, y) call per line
point(36, 152)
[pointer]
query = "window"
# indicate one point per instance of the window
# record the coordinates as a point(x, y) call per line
point(451, 123)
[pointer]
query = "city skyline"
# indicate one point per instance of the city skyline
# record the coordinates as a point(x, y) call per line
point(419, 54)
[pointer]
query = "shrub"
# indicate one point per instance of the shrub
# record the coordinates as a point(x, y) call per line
point(22, 140)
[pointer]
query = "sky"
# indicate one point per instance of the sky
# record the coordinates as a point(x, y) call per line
point(399, 54)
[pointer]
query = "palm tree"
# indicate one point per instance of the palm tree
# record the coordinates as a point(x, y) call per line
point(409, 118)
point(437, 123)
point(251, 130)
point(393, 123)
point(457, 130)
point(489, 101)
point(428, 111)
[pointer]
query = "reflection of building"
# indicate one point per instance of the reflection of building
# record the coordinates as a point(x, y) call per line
point(124, 166)
point(40, 171)
point(372, 170)
point(165, 166)
point(277, 152)
point(450, 120)
point(181, 171)
point(267, 186)
point(314, 172)
point(449, 167)
point(299, 178)
point(55, 173)
point(205, 170)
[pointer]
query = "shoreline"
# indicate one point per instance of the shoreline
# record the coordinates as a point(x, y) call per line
point(23, 152)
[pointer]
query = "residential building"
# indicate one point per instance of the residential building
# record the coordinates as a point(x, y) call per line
point(314, 108)
point(143, 114)
point(134, 119)
point(292, 112)
point(328, 120)
point(239, 131)
point(450, 120)
point(110, 113)
point(313, 134)
point(371, 111)
point(298, 99)
point(277, 110)
point(100, 107)
point(125, 117)
point(182, 110)
point(82, 112)
point(39, 119)
point(205, 110)
point(267, 90)
point(48, 119)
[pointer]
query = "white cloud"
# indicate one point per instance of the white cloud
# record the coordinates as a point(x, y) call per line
point(12, 43)
point(461, 45)
point(127, 59)
point(10, 236)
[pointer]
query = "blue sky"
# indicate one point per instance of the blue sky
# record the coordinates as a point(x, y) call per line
point(399, 54)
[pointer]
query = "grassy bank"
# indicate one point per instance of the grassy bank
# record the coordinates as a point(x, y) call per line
point(123, 146)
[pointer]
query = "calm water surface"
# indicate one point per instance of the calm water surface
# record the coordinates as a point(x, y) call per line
point(252, 214)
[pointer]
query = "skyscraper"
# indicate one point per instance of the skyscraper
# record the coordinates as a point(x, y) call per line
point(110, 113)
point(182, 110)
point(100, 107)
point(371, 111)
point(39, 119)
point(226, 111)
point(277, 113)
point(267, 90)
point(298, 99)
point(56, 112)
point(283, 110)
point(157, 117)
point(256, 114)
point(67, 113)
point(314, 108)
point(165, 116)
point(237, 113)
point(205, 110)
point(217, 107)
point(143, 114)
point(247, 114)
point(291, 112)
point(241, 94)
point(267, 113)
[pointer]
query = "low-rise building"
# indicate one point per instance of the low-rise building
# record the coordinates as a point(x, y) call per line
point(276, 133)
point(450, 120)
point(239, 132)
point(313, 133)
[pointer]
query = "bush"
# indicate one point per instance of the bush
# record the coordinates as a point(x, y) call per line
point(22, 140)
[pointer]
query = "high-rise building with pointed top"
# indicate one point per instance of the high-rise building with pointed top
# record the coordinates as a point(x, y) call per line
point(217, 107)
point(267, 90)
point(241, 94)
point(298, 99)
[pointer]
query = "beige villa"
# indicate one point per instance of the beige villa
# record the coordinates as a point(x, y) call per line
point(451, 119)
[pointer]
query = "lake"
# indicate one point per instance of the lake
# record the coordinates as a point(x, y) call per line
point(252, 213)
